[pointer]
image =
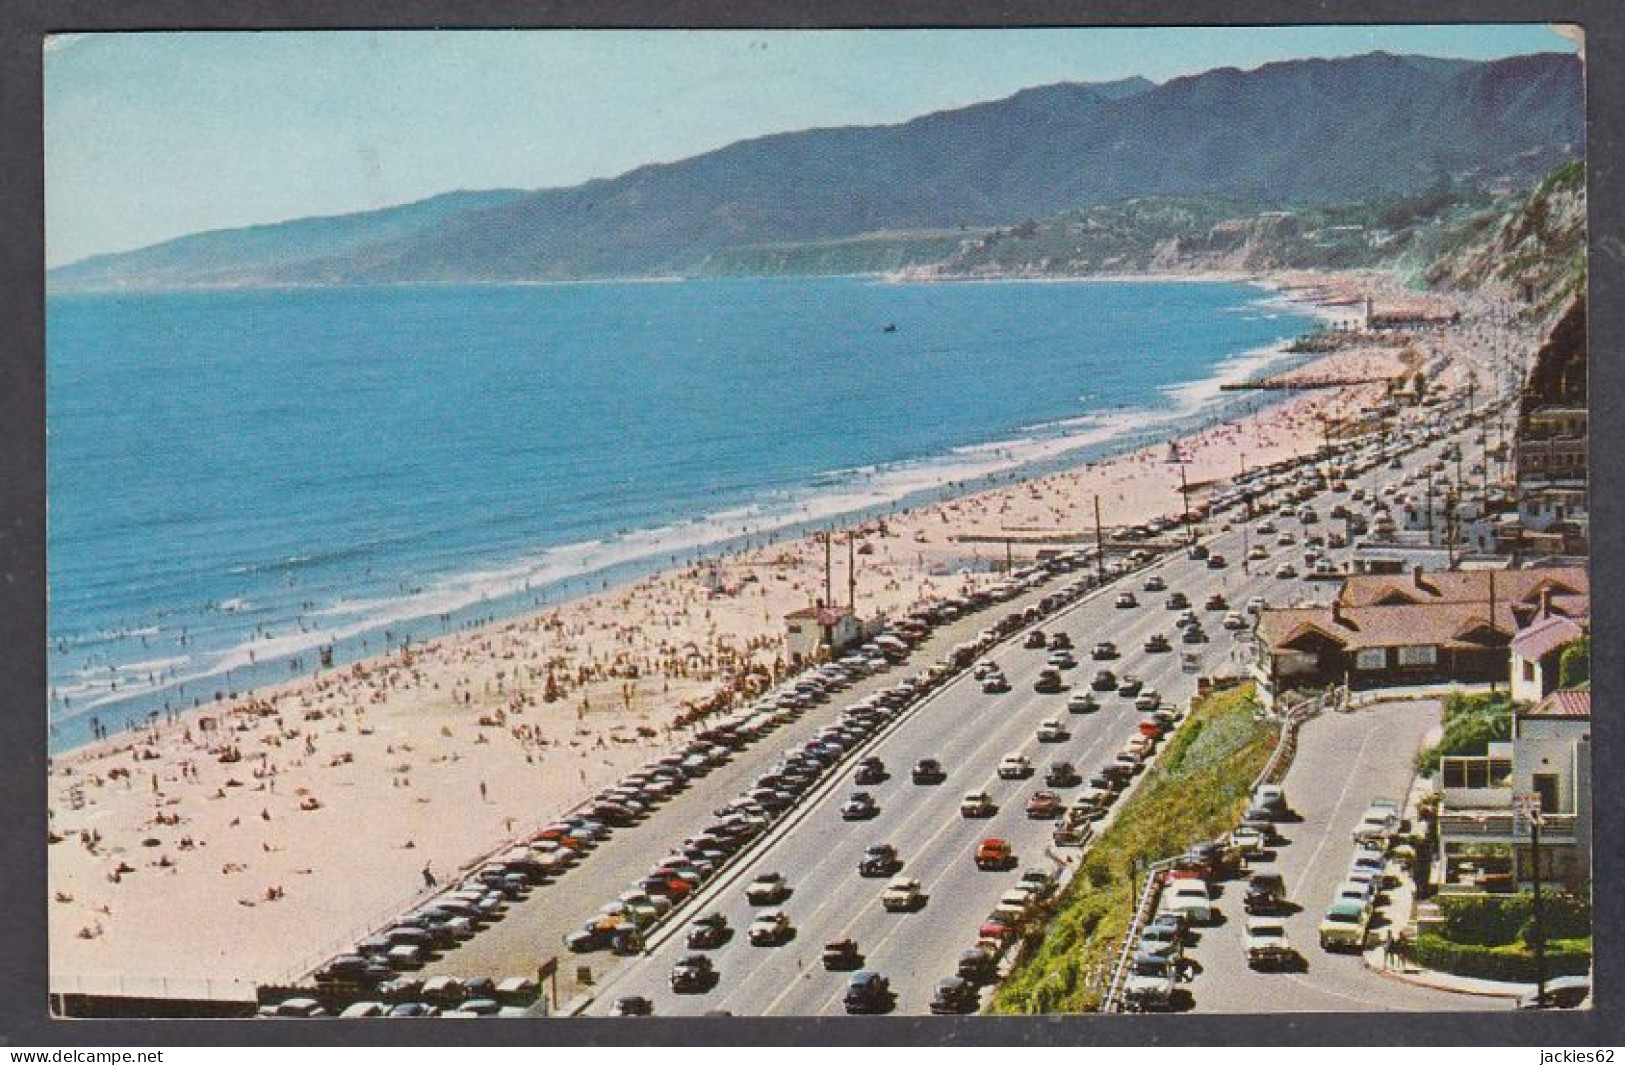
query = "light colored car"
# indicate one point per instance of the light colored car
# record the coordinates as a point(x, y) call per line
point(902, 895)
point(1150, 984)
point(1189, 899)
point(1344, 926)
point(364, 1009)
point(767, 889)
point(1378, 824)
point(977, 804)
point(1053, 731)
point(1354, 893)
point(1286, 571)
point(1267, 944)
point(1015, 766)
point(770, 928)
point(1234, 621)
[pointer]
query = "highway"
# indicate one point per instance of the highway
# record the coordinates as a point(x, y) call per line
point(969, 732)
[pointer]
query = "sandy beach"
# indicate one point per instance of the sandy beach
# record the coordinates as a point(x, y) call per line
point(249, 839)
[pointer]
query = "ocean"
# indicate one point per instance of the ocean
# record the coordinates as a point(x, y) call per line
point(238, 479)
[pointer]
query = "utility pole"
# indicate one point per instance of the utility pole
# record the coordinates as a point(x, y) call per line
point(1539, 915)
point(852, 571)
point(1100, 545)
point(829, 599)
point(1185, 494)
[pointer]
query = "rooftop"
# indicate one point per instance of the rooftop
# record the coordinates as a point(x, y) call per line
point(1545, 636)
point(1564, 702)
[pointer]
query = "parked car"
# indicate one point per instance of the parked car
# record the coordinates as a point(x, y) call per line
point(1150, 983)
point(977, 965)
point(954, 995)
point(1266, 894)
point(1344, 926)
point(1267, 945)
point(1062, 775)
point(1189, 898)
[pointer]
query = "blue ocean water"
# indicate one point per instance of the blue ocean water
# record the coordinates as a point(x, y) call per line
point(239, 478)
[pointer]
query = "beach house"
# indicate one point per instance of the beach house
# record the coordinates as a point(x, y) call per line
point(817, 632)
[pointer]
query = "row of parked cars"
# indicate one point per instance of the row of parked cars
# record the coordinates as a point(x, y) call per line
point(1347, 920)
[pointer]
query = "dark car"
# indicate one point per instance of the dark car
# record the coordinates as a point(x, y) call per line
point(978, 966)
point(1194, 634)
point(954, 995)
point(1216, 601)
point(860, 807)
point(869, 992)
point(1266, 894)
point(1062, 775)
point(1049, 681)
point(632, 1006)
point(1104, 651)
point(1198, 552)
point(879, 860)
point(1104, 680)
point(842, 954)
point(928, 771)
point(1035, 640)
point(1216, 562)
point(693, 975)
point(1156, 643)
point(1129, 686)
point(1060, 641)
point(870, 771)
point(1178, 601)
point(708, 932)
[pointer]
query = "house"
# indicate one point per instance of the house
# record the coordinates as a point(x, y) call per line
point(819, 632)
point(1482, 845)
point(1387, 630)
point(1536, 653)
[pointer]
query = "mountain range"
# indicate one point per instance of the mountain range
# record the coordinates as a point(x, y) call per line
point(1301, 132)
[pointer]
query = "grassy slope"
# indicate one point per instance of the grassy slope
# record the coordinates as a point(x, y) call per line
point(1194, 792)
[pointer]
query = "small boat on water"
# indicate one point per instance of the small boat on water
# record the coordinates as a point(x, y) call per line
point(890, 327)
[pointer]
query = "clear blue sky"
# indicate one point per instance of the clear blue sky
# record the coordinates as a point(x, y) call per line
point(150, 136)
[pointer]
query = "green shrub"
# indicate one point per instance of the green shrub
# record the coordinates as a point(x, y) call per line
point(1512, 963)
point(1574, 668)
point(1499, 920)
point(1471, 724)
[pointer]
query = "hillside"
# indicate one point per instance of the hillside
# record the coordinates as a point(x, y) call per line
point(1304, 132)
point(1534, 243)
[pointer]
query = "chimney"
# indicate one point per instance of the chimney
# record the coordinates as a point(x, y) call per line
point(1337, 612)
point(1545, 602)
point(1416, 575)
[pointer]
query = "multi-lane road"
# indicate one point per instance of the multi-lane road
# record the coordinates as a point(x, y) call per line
point(968, 732)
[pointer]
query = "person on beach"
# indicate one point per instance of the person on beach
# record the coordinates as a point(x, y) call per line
point(428, 877)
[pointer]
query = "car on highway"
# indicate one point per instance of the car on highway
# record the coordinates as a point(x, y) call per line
point(870, 771)
point(1061, 660)
point(1177, 601)
point(1060, 641)
point(1266, 528)
point(902, 895)
point(1036, 640)
point(1049, 681)
point(708, 932)
point(1104, 680)
point(1104, 651)
point(1154, 583)
point(632, 1006)
point(1150, 984)
point(994, 854)
point(880, 859)
point(954, 995)
point(1062, 775)
point(1344, 926)
point(1081, 703)
point(1285, 571)
point(842, 954)
point(928, 771)
point(770, 928)
point(1194, 634)
point(1053, 730)
point(1157, 643)
point(1216, 601)
point(767, 889)
point(693, 975)
point(1286, 539)
point(1015, 766)
point(995, 684)
point(1148, 701)
point(860, 806)
point(1234, 622)
point(1197, 552)
point(977, 804)
point(1216, 561)
point(1125, 599)
point(1043, 806)
point(868, 992)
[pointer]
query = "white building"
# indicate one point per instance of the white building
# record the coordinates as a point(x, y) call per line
point(1537, 652)
point(819, 632)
